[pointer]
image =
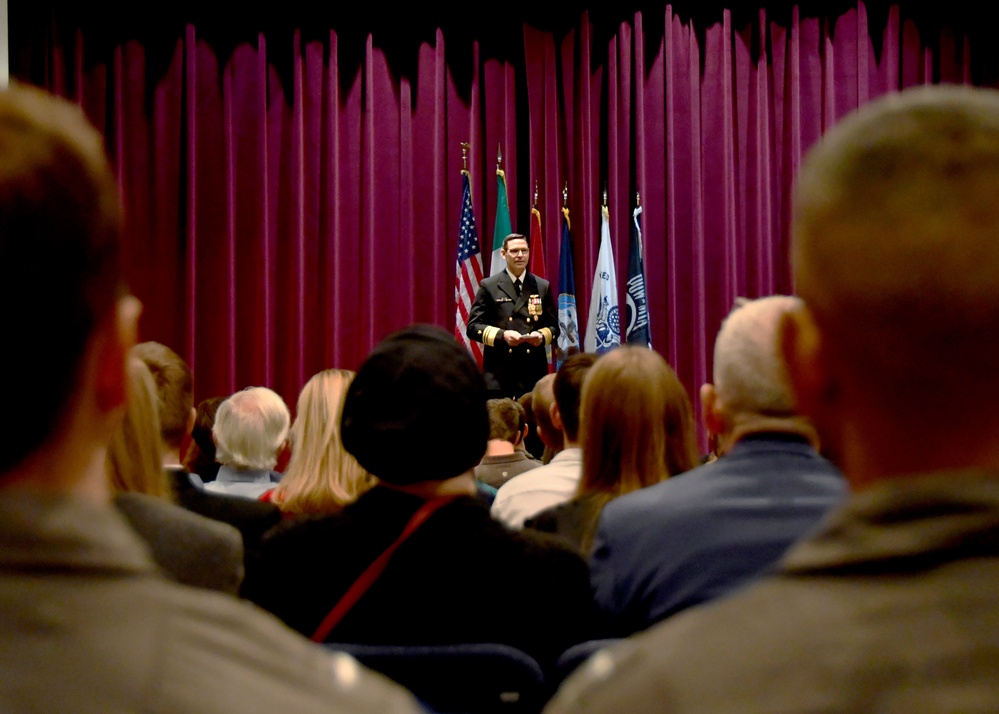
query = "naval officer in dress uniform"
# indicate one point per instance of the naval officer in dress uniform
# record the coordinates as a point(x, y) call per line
point(514, 316)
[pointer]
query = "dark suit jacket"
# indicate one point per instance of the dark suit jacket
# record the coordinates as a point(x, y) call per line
point(252, 518)
point(574, 520)
point(513, 371)
point(708, 531)
point(461, 577)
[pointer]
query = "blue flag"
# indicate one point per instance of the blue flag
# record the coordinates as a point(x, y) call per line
point(603, 321)
point(636, 300)
point(568, 338)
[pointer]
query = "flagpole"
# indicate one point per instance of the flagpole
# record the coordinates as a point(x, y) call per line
point(641, 243)
point(465, 146)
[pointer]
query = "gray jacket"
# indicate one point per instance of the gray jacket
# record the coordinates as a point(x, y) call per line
point(190, 548)
point(90, 625)
point(890, 607)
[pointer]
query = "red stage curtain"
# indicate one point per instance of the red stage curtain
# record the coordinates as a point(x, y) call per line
point(293, 198)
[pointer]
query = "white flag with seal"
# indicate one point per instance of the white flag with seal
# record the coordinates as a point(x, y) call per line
point(603, 321)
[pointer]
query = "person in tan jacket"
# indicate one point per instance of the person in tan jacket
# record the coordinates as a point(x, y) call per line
point(890, 606)
point(89, 623)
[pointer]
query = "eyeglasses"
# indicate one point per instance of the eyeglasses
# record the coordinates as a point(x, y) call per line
point(518, 251)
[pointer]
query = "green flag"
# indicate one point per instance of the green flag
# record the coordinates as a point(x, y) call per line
point(502, 229)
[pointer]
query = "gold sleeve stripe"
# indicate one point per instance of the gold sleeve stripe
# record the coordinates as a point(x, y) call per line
point(489, 336)
point(546, 331)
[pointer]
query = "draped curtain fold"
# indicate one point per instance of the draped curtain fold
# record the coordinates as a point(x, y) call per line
point(290, 200)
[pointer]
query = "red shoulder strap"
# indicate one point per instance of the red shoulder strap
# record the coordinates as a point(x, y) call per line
point(371, 573)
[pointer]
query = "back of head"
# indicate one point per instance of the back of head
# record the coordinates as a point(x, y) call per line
point(568, 387)
point(636, 422)
point(204, 422)
point(250, 428)
point(532, 443)
point(175, 387)
point(321, 476)
point(542, 398)
point(60, 224)
point(415, 385)
point(750, 375)
point(200, 456)
point(134, 462)
point(896, 242)
point(507, 419)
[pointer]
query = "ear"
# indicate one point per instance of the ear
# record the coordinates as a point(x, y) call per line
point(521, 436)
point(801, 345)
point(556, 416)
point(714, 420)
point(191, 418)
point(112, 347)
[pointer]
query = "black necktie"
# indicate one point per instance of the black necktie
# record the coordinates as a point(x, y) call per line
point(516, 285)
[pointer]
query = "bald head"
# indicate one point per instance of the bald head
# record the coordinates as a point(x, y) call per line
point(896, 240)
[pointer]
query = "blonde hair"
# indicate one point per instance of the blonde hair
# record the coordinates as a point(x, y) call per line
point(321, 476)
point(134, 462)
point(636, 423)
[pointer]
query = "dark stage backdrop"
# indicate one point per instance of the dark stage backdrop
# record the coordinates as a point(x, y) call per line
point(292, 181)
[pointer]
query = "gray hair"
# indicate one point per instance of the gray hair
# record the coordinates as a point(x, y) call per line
point(750, 375)
point(250, 428)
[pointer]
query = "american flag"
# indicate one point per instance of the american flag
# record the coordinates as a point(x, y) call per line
point(468, 270)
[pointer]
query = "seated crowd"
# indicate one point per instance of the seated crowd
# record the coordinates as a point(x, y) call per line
point(833, 552)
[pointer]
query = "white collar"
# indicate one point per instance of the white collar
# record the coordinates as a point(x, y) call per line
point(513, 278)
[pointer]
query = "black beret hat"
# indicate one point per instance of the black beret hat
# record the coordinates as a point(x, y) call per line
point(417, 385)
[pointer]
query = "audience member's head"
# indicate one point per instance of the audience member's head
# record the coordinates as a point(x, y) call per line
point(895, 221)
point(322, 476)
point(567, 388)
point(636, 423)
point(751, 391)
point(415, 383)
point(542, 399)
point(200, 456)
point(134, 461)
point(175, 387)
point(507, 420)
point(65, 303)
point(251, 428)
point(532, 443)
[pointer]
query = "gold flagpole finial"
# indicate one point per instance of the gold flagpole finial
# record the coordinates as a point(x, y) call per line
point(565, 195)
point(605, 197)
point(535, 194)
point(638, 199)
point(465, 146)
point(499, 157)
